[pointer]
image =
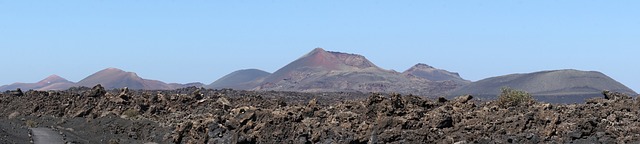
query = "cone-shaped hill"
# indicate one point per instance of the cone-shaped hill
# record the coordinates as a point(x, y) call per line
point(111, 78)
point(321, 70)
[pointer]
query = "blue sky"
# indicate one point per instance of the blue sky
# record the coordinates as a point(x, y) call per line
point(200, 41)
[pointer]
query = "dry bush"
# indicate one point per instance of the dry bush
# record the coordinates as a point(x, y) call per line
point(512, 97)
point(130, 113)
point(31, 123)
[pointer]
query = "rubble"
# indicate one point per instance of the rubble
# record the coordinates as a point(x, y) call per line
point(195, 115)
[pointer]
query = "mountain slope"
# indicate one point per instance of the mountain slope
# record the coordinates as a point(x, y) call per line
point(241, 79)
point(321, 70)
point(321, 61)
point(58, 86)
point(111, 78)
point(53, 82)
point(547, 83)
point(430, 73)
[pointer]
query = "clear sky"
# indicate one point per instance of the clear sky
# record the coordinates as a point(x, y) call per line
point(200, 41)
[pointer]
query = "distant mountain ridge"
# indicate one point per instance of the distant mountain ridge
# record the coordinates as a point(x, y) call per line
point(328, 71)
point(547, 84)
point(109, 78)
point(53, 82)
point(321, 70)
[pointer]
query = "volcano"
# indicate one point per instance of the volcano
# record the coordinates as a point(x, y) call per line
point(111, 78)
point(321, 70)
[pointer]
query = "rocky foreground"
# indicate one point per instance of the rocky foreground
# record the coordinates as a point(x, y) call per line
point(193, 115)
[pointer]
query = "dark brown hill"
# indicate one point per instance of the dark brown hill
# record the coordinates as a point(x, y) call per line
point(553, 86)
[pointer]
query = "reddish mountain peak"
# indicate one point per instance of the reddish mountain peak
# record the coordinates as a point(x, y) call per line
point(318, 57)
point(331, 60)
point(111, 70)
point(53, 79)
point(113, 78)
point(318, 49)
point(320, 61)
point(116, 72)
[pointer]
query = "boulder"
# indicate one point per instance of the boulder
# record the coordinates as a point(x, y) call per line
point(96, 91)
point(17, 92)
point(614, 95)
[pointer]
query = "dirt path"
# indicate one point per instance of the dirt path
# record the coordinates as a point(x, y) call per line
point(46, 136)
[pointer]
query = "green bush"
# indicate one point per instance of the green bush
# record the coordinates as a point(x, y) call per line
point(512, 97)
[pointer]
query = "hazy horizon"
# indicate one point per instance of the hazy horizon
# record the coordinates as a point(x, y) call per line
point(182, 42)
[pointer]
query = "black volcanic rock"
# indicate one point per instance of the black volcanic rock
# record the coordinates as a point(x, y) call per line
point(17, 92)
point(241, 79)
point(430, 73)
point(230, 116)
point(96, 91)
point(614, 95)
point(572, 85)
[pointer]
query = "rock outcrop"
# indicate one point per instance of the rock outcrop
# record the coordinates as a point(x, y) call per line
point(194, 115)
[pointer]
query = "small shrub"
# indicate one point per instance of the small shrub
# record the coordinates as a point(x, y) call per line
point(512, 97)
point(114, 141)
point(130, 113)
point(31, 123)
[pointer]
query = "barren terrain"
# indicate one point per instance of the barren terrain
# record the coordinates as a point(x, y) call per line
point(194, 115)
